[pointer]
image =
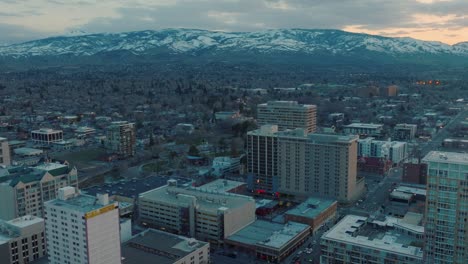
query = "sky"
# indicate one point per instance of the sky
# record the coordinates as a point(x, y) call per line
point(435, 20)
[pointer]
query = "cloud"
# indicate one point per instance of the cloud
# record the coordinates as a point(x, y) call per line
point(396, 17)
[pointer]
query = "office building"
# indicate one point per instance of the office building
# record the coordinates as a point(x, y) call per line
point(394, 151)
point(5, 153)
point(46, 136)
point(314, 212)
point(82, 229)
point(120, 138)
point(405, 132)
point(287, 115)
point(296, 163)
point(171, 249)
point(25, 190)
point(357, 239)
point(204, 215)
point(269, 241)
point(22, 240)
point(262, 158)
point(446, 208)
point(224, 165)
point(461, 144)
point(362, 129)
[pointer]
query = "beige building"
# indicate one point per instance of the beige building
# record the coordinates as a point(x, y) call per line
point(446, 208)
point(175, 249)
point(22, 240)
point(120, 138)
point(204, 215)
point(288, 115)
point(306, 165)
point(24, 192)
point(5, 153)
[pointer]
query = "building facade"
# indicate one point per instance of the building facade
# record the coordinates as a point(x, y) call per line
point(303, 165)
point(395, 151)
point(25, 191)
point(204, 215)
point(446, 208)
point(82, 229)
point(288, 115)
point(46, 136)
point(314, 212)
point(5, 153)
point(121, 139)
point(262, 158)
point(22, 240)
point(405, 132)
point(414, 173)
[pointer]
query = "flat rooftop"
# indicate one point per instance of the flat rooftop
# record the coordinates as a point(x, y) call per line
point(205, 200)
point(312, 207)
point(27, 151)
point(286, 104)
point(81, 203)
point(220, 186)
point(268, 234)
point(12, 229)
point(353, 230)
point(447, 157)
point(412, 190)
point(364, 125)
point(154, 246)
point(133, 187)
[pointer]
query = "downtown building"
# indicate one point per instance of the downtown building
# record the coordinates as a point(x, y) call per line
point(22, 240)
point(121, 139)
point(46, 136)
point(295, 163)
point(207, 216)
point(446, 208)
point(288, 115)
point(82, 229)
point(5, 153)
point(25, 190)
point(395, 151)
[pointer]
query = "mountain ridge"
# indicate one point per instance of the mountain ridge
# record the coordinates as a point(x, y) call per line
point(197, 41)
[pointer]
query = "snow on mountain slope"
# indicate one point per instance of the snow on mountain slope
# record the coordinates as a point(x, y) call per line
point(195, 41)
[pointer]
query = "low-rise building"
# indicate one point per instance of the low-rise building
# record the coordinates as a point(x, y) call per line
point(455, 143)
point(269, 241)
point(207, 216)
point(404, 132)
point(22, 240)
point(362, 129)
point(46, 136)
point(313, 212)
point(415, 173)
point(223, 165)
point(357, 239)
point(27, 156)
point(173, 249)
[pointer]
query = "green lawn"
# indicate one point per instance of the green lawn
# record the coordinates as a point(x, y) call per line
point(155, 166)
point(81, 158)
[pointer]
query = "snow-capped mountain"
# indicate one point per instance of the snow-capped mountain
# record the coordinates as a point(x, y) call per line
point(195, 42)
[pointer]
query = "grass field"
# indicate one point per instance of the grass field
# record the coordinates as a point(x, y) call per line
point(81, 158)
point(155, 166)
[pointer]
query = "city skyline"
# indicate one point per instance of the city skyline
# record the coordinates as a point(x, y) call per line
point(436, 20)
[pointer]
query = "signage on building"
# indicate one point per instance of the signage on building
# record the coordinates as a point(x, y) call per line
point(99, 211)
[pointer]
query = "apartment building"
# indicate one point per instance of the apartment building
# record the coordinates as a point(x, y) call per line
point(288, 115)
point(82, 229)
point(446, 208)
point(395, 151)
point(121, 139)
point(25, 190)
point(22, 240)
point(262, 158)
point(204, 215)
point(300, 164)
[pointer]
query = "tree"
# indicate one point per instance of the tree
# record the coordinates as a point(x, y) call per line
point(193, 151)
